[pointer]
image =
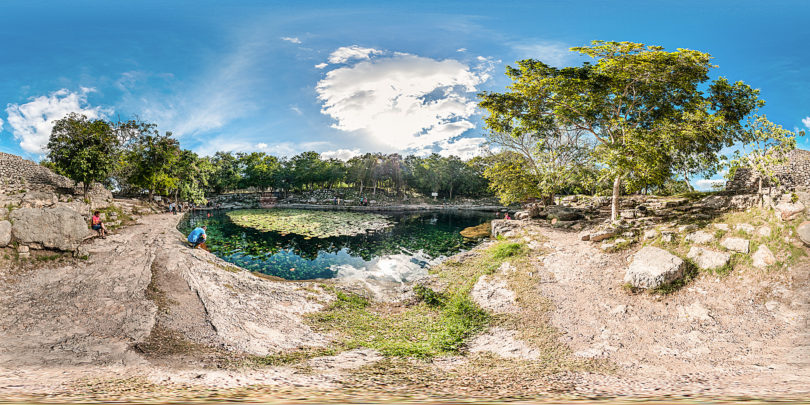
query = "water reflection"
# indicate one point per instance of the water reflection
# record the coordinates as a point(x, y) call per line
point(400, 253)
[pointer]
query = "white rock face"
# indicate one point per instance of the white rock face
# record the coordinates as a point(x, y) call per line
point(789, 211)
point(763, 257)
point(653, 267)
point(5, 233)
point(707, 259)
point(493, 294)
point(736, 244)
point(56, 228)
point(700, 237)
point(747, 228)
point(764, 231)
point(803, 230)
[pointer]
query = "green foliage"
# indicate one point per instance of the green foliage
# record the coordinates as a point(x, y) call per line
point(505, 250)
point(764, 145)
point(428, 296)
point(642, 107)
point(83, 150)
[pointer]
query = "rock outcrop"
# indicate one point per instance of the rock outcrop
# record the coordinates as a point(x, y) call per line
point(55, 228)
point(5, 233)
point(707, 259)
point(653, 267)
point(736, 244)
point(803, 231)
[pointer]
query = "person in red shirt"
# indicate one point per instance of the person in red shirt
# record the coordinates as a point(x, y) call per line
point(97, 225)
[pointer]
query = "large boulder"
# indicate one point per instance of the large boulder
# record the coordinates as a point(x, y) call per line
point(5, 233)
point(700, 237)
point(56, 228)
point(504, 227)
point(653, 267)
point(803, 230)
point(707, 259)
point(789, 211)
point(561, 213)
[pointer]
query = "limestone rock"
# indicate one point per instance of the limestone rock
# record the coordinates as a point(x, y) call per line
point(764, 231)
point(747, 228)
point(789, 211)
point(707, 259)
point(650, 234)
point(599, 236)
point(5, 233)
point(803, 230)
point(763, 257)
point(687, 228)
point(38, 199)
point(722, 227)
point(653, 267)
point(493, 294)
point(55, 228)
point(504, 227)
point(700, 237)
point(563, 213)
point(667, 237)
point(736, 244)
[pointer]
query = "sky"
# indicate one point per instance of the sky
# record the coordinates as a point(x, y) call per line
point(349, 77)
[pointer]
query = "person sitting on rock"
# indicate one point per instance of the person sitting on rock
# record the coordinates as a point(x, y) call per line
point(97, 225)
point(197, 236)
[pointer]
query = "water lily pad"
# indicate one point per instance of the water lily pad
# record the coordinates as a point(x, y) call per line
point(311, 224)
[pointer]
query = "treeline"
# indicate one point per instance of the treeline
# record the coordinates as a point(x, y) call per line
point(134, 158)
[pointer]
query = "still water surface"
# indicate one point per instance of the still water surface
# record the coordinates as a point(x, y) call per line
point(400, 253)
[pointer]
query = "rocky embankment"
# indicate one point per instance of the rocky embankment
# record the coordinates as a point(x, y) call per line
point(141, 281)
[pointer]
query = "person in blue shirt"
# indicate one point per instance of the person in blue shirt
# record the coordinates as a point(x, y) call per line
point(197, 237)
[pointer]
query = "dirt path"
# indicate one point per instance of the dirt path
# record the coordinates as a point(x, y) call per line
point(742, 334)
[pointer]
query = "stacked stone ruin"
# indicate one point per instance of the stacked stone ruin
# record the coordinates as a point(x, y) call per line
point(18, 175)
point(793, 175)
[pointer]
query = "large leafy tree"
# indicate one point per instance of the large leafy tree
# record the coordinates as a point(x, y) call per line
point(764, 146)
point(83, 150)
point(153, 158)
point(646, 109)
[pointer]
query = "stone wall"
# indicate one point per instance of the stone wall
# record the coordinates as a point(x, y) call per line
point(794, 175)
point(19, 176)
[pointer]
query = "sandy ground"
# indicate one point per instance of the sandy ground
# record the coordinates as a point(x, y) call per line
point(74, 327)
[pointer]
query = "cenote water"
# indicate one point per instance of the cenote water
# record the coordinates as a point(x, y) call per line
point(399, 253)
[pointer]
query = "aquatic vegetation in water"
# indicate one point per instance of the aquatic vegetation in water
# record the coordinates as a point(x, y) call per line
point(476, 232)
point(313, 224)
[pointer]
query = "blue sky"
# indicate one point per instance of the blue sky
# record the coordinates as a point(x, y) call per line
point(350, 77)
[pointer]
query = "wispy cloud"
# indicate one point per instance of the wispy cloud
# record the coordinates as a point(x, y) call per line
point(709, 184)
point(556, 54)
point(321, 65)
point(402, 101)
point(806, 122)
point(347, 53)
point(33, 121)
point(294, 40)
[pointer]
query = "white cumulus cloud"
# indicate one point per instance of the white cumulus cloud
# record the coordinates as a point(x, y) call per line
point(342, 154)
point(709, 184)
point(33, 121)
point(402, 102)
point(465, 148)
point(347, 53)
point(294, 40)
point(806, 122)
point(1, 124)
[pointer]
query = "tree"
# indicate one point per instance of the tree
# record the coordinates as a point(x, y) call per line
point(83, 150)
point(153, 158)
point(635, 101)
point(764, 146)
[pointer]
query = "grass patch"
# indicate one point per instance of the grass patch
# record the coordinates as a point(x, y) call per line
point(437, 323)
point(292, 357)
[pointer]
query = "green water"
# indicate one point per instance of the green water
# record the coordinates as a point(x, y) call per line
point(400, 253)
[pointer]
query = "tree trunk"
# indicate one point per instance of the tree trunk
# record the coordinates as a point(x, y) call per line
point(759, 192)
point(689, 185)
point(614, 205)
point(361, 187)
point(451, 191)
